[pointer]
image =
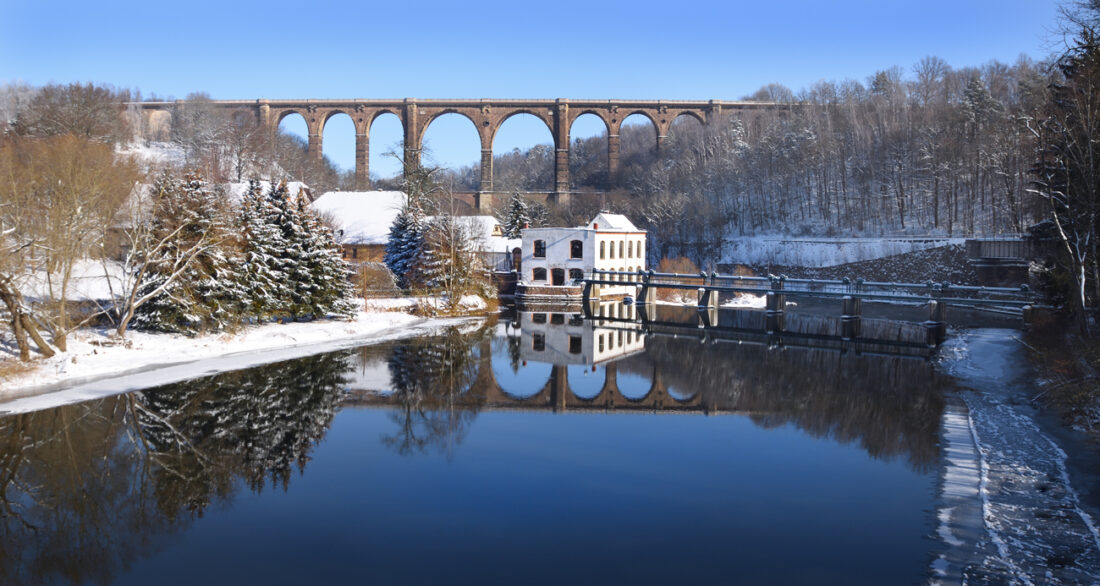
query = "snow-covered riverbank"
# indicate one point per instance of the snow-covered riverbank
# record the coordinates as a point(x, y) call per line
point(96, 364)
point(1009, 512)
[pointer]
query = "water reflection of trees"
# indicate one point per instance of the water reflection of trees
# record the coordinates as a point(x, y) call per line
point(429, 375)
point(87, 489)
point(890, 406)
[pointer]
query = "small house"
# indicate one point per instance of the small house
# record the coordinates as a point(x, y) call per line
point(361, 220)
point(553, 259)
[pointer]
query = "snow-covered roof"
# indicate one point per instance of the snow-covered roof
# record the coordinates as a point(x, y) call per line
point(361, 217)
point(488, 231)
point(236, 191)
point(613, 222)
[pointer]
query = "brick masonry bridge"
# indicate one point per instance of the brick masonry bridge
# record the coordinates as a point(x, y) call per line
point(487, 115)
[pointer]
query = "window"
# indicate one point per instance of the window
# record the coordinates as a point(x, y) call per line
point(601, 342)
point(576, 320)
point(630, 249)
point(612, 253)
point(574, 344)
point(576, 249)
point(557, 319)
point(603, 249)
point(538, 318)
point(621, 249)
point(557, 277)
point(538, 342)
point(576, 274)
point(538, 274)
point(540, 249)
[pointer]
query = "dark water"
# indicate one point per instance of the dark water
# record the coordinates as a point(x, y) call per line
point(462, 458)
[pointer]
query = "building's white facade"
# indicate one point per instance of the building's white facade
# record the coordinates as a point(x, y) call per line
point(557, 256)
point(564, 338)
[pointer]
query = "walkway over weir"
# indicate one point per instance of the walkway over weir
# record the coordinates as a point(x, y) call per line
point(850, 293)
point(487, 115)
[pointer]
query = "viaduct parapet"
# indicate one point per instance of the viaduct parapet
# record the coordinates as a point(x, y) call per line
point(487, 115)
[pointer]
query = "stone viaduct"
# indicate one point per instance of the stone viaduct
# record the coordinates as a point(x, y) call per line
point(487, 115)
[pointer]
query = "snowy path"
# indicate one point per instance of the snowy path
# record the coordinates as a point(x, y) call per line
point(1034, 530)
point(95, 366)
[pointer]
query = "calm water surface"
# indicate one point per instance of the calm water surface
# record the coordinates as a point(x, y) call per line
point(463, 458)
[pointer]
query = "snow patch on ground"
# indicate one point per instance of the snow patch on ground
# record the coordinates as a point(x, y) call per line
point(98, 364)
point(822, 252)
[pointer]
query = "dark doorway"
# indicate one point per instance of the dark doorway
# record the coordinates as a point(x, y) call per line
point(557, 277)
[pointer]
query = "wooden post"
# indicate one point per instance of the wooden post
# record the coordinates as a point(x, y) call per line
point(851, 317)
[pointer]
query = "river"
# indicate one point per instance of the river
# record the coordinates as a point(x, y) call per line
point(537, 448)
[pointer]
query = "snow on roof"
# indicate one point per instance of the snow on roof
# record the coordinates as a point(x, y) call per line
point(361, 217)
point(487, 230)
point(615, 222)
point(236, 191)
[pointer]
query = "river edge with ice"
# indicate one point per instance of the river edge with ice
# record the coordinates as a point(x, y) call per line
point(98, 364)
point(1009, 512)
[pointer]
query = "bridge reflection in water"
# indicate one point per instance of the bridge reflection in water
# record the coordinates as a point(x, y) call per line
point(880, 391)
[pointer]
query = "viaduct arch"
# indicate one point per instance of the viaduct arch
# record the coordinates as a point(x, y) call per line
point(487, 115)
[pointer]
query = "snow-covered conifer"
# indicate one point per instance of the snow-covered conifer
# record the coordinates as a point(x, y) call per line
point(207, 295)
point(516, 216)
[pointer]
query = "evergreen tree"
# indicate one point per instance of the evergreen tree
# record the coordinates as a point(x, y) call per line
point(294, 265)
point(405, 244)
point(264, 267)
point(208, 295)
point(331, 288)
point(516, 216)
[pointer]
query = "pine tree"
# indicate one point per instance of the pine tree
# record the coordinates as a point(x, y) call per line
point(405, 244)
point(331, 289)
point(207, 296)
point(293, 263)
point(516, 216)
point(264, 275)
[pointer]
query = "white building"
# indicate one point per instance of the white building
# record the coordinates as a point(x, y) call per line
point(565, 338)
point(556, 257)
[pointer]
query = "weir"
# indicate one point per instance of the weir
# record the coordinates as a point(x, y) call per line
point(851, 293)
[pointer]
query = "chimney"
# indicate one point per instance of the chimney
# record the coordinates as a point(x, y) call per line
point(595, 226)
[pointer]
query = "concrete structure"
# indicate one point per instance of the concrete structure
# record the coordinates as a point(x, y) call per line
point(486, 115)
point(553, 259)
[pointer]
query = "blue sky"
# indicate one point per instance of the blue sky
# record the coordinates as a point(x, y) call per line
point(426, 49)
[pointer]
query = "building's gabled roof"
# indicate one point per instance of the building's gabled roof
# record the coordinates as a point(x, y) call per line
point(361, 217)
point(612, 222)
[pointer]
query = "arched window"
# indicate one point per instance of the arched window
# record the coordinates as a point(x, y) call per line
point(576, 249)
point(540, 249)
point(538, 274)
point(603, 250)
point(630, 249)
point(612, 247)
point(576, 274)
point(621, 249)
